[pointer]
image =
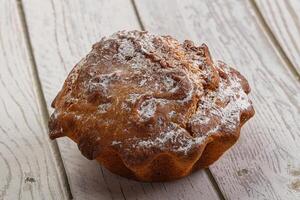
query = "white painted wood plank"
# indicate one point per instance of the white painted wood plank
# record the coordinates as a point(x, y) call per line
point(283, 18)
point(62, 32)
point(28, 166)
point(263, 163)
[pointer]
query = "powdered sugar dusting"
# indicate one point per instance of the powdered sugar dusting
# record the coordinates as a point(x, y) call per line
point(175, 136)
point(147, 109)
point(172, 76)
point(126, 49)
point(103, 108)
point(116, 142)
point(103, 81)
point(169, 83)
point(142, 82)
point(133, 97)
point(224, 104)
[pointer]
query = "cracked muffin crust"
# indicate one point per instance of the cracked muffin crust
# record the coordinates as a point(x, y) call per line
point(150, 108)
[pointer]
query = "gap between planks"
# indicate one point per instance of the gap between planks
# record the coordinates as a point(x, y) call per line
point(274, 42)
point(41, 99)
point(137, 15)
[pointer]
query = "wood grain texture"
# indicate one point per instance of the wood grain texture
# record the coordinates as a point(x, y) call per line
point(28, 166)
point(283, 18)
point(62, 32)
point(262, 164)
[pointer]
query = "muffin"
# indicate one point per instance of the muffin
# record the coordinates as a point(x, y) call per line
point(150, 108)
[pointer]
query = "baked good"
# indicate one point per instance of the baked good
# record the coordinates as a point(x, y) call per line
point(150, 108)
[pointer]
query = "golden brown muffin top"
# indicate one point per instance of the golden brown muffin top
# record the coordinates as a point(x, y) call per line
point(142, 94)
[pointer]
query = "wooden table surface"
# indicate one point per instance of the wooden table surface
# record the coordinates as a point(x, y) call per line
point(40, 42)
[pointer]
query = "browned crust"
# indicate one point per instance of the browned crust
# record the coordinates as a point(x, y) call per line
point(137, 144)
